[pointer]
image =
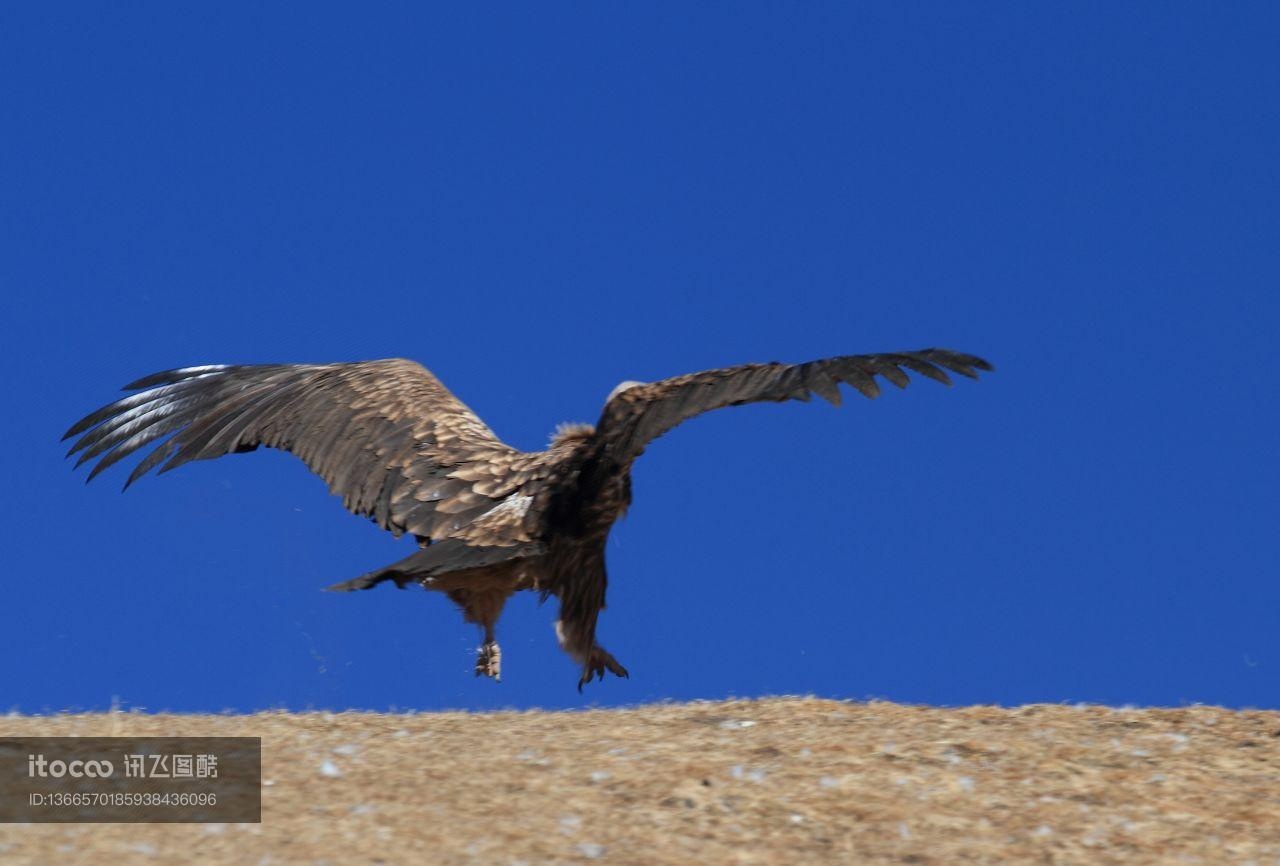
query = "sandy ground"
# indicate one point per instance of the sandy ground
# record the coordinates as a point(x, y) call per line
point(776, 781)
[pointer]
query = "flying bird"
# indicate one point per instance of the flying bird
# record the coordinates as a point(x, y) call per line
point(489, 519)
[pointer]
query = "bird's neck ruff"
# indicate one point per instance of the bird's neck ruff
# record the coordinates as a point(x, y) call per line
point(569, 433)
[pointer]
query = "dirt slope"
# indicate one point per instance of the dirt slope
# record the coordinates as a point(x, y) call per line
point(777, 781)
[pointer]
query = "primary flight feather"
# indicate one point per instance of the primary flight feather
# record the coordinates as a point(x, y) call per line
point(490, 520)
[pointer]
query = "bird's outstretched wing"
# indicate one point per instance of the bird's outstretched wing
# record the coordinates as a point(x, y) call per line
point(387, 436)
point(637, 415)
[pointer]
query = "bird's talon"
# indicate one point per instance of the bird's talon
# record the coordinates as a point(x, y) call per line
point(489, 661)
point(598, 662)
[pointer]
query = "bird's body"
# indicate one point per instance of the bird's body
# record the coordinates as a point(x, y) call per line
point(490, 520)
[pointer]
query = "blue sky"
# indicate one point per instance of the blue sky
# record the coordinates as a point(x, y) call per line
point(540, 202)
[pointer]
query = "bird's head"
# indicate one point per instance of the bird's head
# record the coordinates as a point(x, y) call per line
point(622, 386)
point(570, 433)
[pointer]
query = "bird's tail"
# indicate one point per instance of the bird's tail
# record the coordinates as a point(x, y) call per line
point(436, 560)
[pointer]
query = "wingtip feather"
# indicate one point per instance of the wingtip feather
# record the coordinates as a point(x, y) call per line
point(166, 377)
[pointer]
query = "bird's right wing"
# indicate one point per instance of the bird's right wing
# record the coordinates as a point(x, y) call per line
point(637, 415)
point(387, 436)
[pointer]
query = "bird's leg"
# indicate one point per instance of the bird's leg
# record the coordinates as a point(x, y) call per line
point(595, 659)
point(483, 608)
point(598, 661)
point(489, 657)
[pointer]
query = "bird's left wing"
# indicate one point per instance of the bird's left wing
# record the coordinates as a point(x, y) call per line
point(387, 436)
point(637, 415)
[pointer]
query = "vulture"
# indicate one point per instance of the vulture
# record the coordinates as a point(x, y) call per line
point(489, 519)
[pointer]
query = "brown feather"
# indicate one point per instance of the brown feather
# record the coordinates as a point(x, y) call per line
point(638, 415)
point(398, 447)
point(336, 417)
